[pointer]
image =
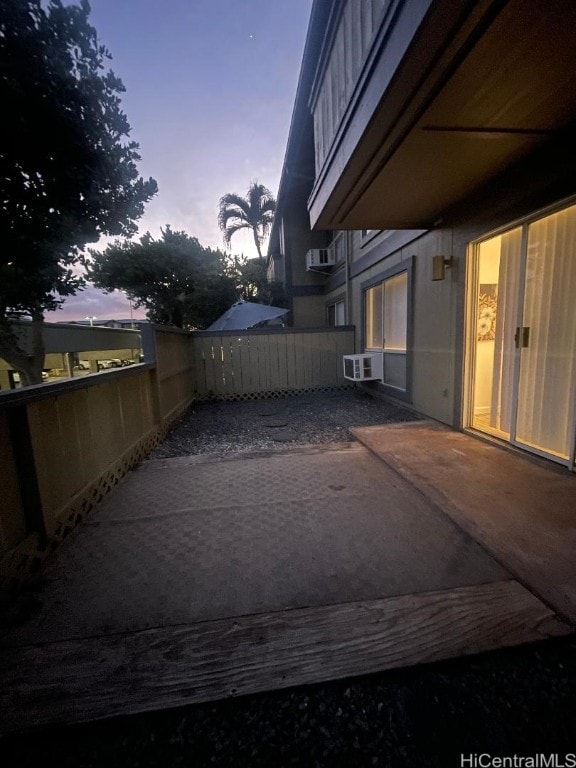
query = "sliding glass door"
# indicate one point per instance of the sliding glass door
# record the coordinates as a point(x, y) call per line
point(523, 386)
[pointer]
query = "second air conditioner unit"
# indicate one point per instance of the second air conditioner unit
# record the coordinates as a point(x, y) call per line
point(366, 367)
point(317, 258)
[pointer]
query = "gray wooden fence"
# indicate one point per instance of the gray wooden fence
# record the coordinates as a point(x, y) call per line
point(242, 365)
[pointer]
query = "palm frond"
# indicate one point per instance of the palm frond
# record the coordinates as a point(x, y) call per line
point(230, 206)
point(268, 207)
point(233, 199)
point(230, 213)
point(231, 229)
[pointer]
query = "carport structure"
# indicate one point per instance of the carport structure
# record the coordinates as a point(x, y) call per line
point(206, 577)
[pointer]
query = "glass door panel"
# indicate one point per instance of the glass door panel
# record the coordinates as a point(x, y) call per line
point(547, 337)
point(496, 306)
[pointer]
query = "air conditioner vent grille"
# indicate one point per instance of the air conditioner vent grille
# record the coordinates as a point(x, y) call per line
point(366, 367)
point(320, 258)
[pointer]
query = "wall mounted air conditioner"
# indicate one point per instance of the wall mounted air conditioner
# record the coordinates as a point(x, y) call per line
point(318, 258)
point(367, 367)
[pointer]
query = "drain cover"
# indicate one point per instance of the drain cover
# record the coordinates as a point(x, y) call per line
point(275, 423)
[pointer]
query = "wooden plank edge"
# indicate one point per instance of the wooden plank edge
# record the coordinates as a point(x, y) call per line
point(93, 678)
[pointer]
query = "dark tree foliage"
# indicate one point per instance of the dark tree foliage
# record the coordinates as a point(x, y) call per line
point(252, 284)
point(178, 281)
point(67, 169)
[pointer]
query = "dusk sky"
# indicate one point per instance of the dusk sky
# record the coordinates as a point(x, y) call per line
point(210, 86)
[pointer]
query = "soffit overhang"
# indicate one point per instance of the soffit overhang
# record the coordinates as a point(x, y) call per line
point(482, 86)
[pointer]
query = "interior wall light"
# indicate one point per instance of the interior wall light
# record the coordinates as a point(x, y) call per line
point(439, 266)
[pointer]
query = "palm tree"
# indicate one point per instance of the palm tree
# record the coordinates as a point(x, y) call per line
point(255, 212)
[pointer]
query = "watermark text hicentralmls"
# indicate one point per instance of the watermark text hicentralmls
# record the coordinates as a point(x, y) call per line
point(539, 760)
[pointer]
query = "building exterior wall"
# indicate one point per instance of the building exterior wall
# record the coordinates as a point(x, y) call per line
point(437, 319)
point(407, 134)
point(303, 289)
point(432, 382)
point(309, 312)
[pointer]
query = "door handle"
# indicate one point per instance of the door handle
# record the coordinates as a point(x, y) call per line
point(525, 336)
point(522, 335)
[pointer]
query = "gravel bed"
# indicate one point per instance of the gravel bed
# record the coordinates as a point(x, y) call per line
point(227, 427)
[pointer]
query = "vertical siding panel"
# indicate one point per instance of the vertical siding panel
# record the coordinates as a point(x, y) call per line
point(218, 372)
point(356, 38)
point(47, 446)
point(290, 362)
point(256, 363)
point(306, 361)
point(275, 372)
point(192, 362)
point(272, 364)
point(212, 348)
point(328, 354)
point(199, 351)
point(377, 6)
point(318, 341)
point(339, 352)
point(366, 28)
point(242, 370)
point(332, 362)
point(85, 445)
point(264, 352)
point(252, 361)
point(312, 354)
point(318, 136)
point(264, 361)
point(280, 343)
point(237, 367)
point(325, 357)
point(311, 345)
point(231, 363)
point(313, 350)
point(298, 362)
point(227, 365)
point(340, 71)
point(348, 51)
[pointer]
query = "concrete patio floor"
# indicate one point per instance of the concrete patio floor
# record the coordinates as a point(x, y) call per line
point(202, 578)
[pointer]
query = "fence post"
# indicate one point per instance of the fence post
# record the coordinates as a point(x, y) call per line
point(148, 338)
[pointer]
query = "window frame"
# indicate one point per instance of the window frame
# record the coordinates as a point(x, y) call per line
point(341, 299)
point(406, 265)
point(367, 235)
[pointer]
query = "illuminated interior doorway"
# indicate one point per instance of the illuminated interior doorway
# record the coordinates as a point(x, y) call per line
point(522, 338)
